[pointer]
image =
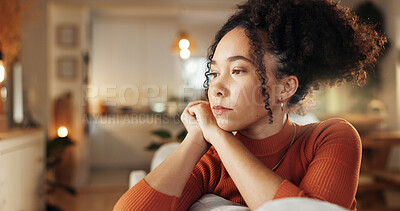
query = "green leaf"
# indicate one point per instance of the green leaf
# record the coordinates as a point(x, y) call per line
point(153, 146)
point(181, 135)
point(54, 150)
point(162, 133)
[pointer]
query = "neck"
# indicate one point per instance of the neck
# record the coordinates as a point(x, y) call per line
point(262, 129)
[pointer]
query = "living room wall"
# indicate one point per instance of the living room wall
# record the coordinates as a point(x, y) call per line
point(38, 55)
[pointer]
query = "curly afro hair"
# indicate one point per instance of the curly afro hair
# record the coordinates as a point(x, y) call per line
point(318, 41)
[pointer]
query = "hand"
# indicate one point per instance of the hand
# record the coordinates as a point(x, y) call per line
point(193, 127)
point(202, 113)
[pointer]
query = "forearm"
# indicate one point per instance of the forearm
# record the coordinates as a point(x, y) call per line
point(256, 182)
point(171, 176)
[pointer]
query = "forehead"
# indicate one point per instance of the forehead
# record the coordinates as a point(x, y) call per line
point(234, 43)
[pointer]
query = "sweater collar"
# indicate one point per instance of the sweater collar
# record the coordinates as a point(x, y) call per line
point(271, 144)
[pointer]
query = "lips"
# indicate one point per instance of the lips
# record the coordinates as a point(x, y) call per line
point(218, 110)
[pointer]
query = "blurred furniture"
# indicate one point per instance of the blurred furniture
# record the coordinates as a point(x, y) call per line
point(3, 121)
point(364, 123)
point(119, 141)
point(375, 178)
point(22, 167)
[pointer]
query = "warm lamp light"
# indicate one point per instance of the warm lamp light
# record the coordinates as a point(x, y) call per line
point(2, 72)
point(2, 69)
point(2, 76)
point(183, 46)
point(62, 132)
point(185, 53)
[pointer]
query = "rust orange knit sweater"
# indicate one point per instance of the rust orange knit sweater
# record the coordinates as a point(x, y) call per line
point(323, 163)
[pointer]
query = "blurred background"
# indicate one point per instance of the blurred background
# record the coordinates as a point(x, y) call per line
point(91, 88)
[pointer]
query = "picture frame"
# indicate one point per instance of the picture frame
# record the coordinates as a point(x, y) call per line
point(67, 35)
point(67, 67)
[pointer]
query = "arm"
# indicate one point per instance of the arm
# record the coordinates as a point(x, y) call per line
point(171, 176)
point(249, 174)
point(163, 187)
point(255, 182)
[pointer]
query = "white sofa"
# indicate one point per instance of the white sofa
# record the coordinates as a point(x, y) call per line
point(159, 156)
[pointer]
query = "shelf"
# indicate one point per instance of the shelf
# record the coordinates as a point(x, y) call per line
point(389, 176)
point(374, 179)
point(379, 180)
point(381, 139)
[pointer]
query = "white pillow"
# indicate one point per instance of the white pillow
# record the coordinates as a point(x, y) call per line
point(216, 203)
point(299, 204)
point(211, 202)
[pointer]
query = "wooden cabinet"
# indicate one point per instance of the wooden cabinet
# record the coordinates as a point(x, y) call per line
point(120, 141)
point(375, 178)
point(22, 168)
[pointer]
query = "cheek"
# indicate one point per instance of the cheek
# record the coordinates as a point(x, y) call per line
point(259, 98)
point(249, 96)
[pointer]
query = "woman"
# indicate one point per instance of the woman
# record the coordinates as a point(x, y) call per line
point(262, 64)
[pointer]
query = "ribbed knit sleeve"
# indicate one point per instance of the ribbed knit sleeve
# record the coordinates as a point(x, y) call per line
point(143, 197)
point(332, 174)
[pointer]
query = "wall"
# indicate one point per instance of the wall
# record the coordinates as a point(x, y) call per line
point(389, 94)
point(34, 62)
point(79, 17)
point(133, 66)
point(38, 51)
point(138, 58)
point(141, 61)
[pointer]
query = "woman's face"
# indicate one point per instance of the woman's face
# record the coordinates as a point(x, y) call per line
point(234, 92)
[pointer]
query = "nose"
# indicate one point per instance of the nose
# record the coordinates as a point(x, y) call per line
point(219, 88)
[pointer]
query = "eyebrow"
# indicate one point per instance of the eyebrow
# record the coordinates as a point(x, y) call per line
point(234, 58)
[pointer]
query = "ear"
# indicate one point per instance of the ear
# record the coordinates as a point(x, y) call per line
point(290, 84)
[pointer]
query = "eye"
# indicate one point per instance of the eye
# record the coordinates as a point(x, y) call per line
point(212, 75)
point(237, 71)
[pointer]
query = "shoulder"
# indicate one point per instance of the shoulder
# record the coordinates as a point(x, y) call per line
point(335, 131)
point(337, 127)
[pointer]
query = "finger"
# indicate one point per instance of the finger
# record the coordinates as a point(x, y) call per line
point(204, 102)
point(190, 105)
point(196, 112)
point(188, 119)
point(192, 110)
point(197, 103)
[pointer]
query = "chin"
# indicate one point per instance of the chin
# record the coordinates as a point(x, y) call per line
point(227, 125)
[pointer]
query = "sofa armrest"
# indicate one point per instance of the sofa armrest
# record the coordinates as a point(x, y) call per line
point(136, 176)
point(162, 153)
point(159, 156)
